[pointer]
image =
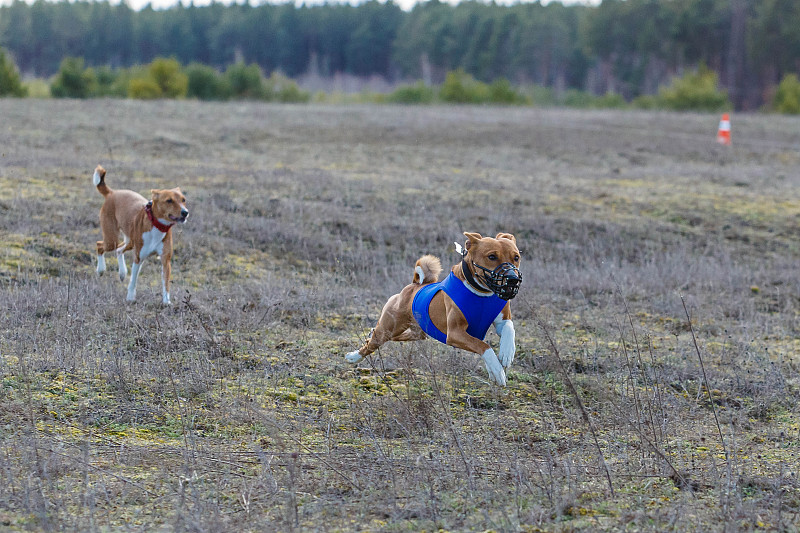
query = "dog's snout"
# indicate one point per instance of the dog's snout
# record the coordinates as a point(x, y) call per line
point(184, 212)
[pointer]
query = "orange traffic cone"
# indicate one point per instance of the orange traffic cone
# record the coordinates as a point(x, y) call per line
point(724, 131)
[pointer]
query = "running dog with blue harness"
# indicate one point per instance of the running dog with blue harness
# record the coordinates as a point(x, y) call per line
point(459, 310)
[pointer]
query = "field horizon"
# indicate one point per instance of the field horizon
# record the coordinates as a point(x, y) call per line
point(655, 385)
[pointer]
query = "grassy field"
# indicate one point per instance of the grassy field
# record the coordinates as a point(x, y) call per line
point(234, 410)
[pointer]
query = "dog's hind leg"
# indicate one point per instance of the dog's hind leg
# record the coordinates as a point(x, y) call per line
point(120, 253)
point(380, 335)
point(414, 333)
point(390, 325)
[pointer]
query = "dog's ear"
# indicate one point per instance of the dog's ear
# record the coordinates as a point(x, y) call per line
point(507, 236)
point(471, 238)
point(154, 194)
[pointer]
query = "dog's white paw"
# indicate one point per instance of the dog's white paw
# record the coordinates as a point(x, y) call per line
point(508, 345)
point(123, 268)
point(493, 366)
point(354, 357)
point(101, 264)
point(165, 300)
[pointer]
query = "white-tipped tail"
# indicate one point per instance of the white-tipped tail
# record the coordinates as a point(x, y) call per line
point(99, 180)
point(420, 274)
point(427, 269)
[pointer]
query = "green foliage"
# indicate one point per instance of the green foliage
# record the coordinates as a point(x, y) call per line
point(695, 91)
point(461, 88)
point(10, 83)
point(245, 81)
point(419, 93)
point(279, 88)
point(501, 92)
point(626, 43)
point(610, 101)
point(787, 96)
point(585, 100)
point(167, 74)
point(109, 82)
point(645, 101)
point(144, 89)
point(205, 83)
point(72, 80)
point(37, 88)
point(540, 96)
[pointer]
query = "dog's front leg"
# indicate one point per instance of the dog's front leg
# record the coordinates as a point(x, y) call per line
point(457, 336)
point(461, 339)
point(505, 328)
point(166, 269)
point(134, 275)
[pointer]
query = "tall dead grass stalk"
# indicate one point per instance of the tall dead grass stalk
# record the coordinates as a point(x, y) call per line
point(575, 395)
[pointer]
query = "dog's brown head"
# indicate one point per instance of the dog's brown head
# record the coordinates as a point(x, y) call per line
point(169, 204)
point(494, 263)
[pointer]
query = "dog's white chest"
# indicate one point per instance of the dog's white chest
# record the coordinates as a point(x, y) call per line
point(152, 243)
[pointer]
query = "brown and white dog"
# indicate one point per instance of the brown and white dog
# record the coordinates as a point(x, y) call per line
point(145, 228)
point(484, 281)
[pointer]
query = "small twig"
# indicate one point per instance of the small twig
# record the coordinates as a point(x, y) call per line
point(193, 308)
point(678, 477)
point(710, 396)
point(308, 450)
point(452, 428)
point(584, 413)
point(705, 380)
point(102, 471)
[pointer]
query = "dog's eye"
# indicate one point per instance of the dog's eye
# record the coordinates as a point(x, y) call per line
point(169, 201)
point(492, 257)
point(516, 258)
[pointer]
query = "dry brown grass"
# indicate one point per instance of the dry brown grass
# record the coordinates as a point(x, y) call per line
point(234, 408)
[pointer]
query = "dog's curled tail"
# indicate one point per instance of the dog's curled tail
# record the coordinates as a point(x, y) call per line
point(99, 180)
point(427, 269)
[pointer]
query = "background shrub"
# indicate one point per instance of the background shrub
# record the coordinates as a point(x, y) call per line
point(461, 88)
point(10, 82)
point(72, 80)
point(109, 82)
point(245, 81)
point(696, 91)
point(168, 76)
point(501, 92)
point(205, 83)
point(645, 101)
point(144, 89)
point(787, 96)
point(419, 93)
point(37, 88)
point(540, 95)
point(283, 89)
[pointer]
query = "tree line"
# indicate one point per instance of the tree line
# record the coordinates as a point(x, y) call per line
point(630, 48)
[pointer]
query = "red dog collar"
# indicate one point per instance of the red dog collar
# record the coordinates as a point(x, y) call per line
point(163, 228)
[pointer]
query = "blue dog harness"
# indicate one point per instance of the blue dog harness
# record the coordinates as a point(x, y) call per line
point(480, 311)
